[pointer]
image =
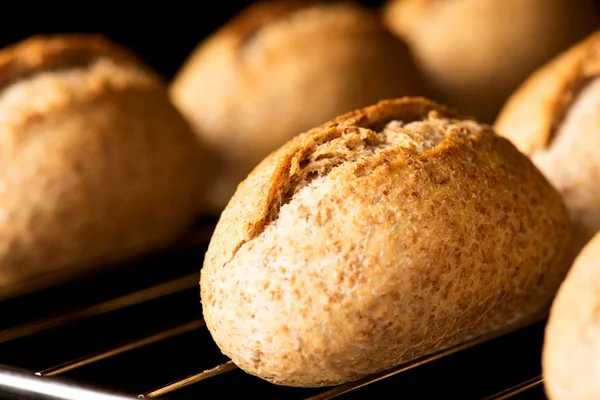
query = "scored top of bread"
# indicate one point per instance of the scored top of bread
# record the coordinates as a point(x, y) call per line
point(533, 114)
point(43, 53)
point(285, 170)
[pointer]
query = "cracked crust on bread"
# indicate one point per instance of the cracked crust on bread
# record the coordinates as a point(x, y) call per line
point(388, 233)
point(553, 118)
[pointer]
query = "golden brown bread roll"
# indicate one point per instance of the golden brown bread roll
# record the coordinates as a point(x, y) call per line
point(96, 164)
point(476, 52)
point(570, 356)
point(280, 68)
point(388, 233)
point(554, 119)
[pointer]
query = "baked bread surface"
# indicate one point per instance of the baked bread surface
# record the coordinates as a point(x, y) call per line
point(96, 164)
point(475, 53)
point(570, 358)
point(553, 118)
point(388, 233)
point(280, 68)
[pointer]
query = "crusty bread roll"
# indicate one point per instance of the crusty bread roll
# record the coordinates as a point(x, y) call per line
point(96, 164)
point(280, 68)
point(570, 356)
point(388, 233)
point(554, 119)
point(476, 52)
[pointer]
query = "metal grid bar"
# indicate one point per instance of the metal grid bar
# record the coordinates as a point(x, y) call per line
point(349, 387)
point(26, 381)
point(190, 380)
point(169, 287)
point(87, 360)
point(518, 389)
point(155, 292)
point(29, 386)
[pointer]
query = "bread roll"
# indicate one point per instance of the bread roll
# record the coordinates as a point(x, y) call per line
point(570, 356)
point(381, 236)
point(476, 52)
point(554, 119)
point(280, 68)
point(96, 164)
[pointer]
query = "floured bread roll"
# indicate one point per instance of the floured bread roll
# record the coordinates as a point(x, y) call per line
point(280, 68)
point(381, 236)
point(476, 52)
point(570, 357)
point(96, 164)
point(555, 119)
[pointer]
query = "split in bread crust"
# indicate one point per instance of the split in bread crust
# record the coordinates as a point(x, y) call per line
point(553, 118)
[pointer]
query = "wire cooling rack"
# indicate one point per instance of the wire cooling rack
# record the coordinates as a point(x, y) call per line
point(137, 332)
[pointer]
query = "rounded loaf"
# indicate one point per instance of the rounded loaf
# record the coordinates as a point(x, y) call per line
point(570, 357)
point(553, 118)
point(476, 52)
point(280, 68)
point(96, 164)
point(388, 233)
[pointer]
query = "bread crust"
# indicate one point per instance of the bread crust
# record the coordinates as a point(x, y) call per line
point(477, 52)
point(359, 245)
point(570, 359)
point(280, 68)
point(96, 164)
point(547, 120)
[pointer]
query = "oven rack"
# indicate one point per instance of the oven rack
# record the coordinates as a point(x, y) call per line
point(137, 332)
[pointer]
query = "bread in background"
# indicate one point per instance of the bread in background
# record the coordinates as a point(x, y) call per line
point(476, 52)
point(381, 236)
point(570, 355)
point(282, 67)
point(96, 164)
point(554, 118)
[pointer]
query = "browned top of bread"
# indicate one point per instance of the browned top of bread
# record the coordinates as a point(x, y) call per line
point(51, 52)
point(281, 174)
point(536, 110)
point(261, 14)
point(45, 74)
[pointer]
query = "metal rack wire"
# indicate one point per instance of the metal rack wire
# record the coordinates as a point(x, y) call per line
point(138, 332)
